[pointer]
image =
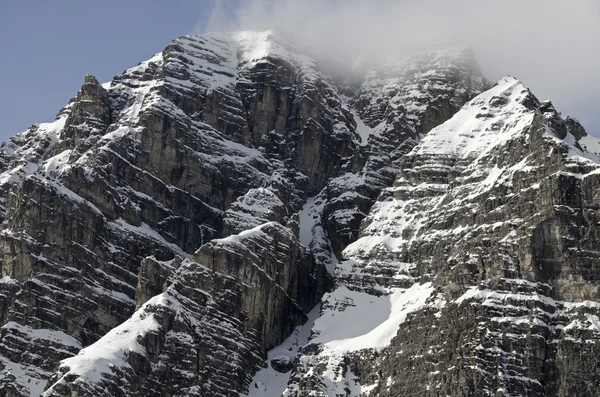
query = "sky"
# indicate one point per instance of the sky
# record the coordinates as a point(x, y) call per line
point(49, 46)
point(553, 46)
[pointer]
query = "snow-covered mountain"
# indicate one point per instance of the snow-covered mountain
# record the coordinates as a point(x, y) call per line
point(228, 219)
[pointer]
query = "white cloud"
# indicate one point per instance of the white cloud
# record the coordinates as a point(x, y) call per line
point(551, 45)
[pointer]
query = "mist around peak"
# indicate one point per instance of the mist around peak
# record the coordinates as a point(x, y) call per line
point(551, 45)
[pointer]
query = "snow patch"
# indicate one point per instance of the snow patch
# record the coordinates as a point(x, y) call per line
point(112, 349)
point(487, 121)
point(269, 383)
point(310, 215)
point(363, 130)
point(30, 378)
point(379, 317)
point(313, 236)
point(146, 230)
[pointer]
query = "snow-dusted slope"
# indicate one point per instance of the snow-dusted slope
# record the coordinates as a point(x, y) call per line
point(394, 106)
point(482, 235)
point(461, 147)
point(171, 154)
point(210, 325)
point(477, 128)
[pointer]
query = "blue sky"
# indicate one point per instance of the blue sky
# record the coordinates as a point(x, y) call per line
point(48, 46)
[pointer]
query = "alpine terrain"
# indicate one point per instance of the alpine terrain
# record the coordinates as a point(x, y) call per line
point(229, 218)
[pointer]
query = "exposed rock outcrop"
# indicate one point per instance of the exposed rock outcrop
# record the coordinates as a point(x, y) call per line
point(216, 135)
point(173, 231)
point(236, 298)
point(489, 237)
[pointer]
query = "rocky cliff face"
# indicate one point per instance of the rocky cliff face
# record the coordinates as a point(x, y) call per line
point(170, 155)
point(482, 257)
point(173, 232)
point(218, 314)
point(217, 135)
point(515, 255)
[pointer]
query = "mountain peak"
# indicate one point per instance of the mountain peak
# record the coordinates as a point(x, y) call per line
point(254, 46)
point(490, 117)
point(169, 232)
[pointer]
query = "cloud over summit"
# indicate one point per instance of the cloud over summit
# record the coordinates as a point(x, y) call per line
point(553, 46)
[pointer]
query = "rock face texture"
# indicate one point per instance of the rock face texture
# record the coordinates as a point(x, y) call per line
point(483, 256)
point(219, 313)
point(510, 238)
point(395, 105)
point(225, 219)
